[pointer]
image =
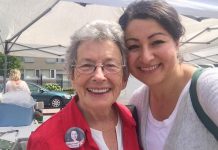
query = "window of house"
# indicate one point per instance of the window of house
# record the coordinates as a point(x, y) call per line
point(54, 60)
point(52, 74)
point(51, 60)
point(28, 60)
point(60, 60)
point(45, 73)
point(38, 73)
point(29, 73)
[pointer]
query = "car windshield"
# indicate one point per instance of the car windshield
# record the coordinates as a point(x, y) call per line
point(36, 88)
point(1, 88)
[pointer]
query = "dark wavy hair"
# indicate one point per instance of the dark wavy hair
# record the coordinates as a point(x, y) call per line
point(158, 10)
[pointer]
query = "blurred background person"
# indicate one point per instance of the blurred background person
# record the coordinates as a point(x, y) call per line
point(15, 83)
point(17, 91)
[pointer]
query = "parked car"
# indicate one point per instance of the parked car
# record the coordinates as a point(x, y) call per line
point(51, 99)
point(1, 87)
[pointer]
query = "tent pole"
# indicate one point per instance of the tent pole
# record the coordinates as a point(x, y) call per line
point(5, 65)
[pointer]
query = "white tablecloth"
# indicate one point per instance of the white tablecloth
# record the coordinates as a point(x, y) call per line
point(23, 132)
point(21, 137)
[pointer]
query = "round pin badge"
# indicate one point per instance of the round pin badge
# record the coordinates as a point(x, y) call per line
point(75, 137)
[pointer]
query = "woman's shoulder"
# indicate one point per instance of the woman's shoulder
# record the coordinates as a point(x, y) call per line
point(9, 82)
point(207, 89)
point(208, 78)
point(139, 94)
point(207, 84)
point(22, 82)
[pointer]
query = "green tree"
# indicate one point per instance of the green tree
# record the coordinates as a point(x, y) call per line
point(12, 61)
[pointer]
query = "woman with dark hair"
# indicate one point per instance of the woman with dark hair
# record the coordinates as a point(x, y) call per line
point(167, 120)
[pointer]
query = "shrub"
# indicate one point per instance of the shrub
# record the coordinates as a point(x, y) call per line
point(53, 86)
point(70, 91)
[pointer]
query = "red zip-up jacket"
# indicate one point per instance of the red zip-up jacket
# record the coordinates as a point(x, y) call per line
point(51, 134)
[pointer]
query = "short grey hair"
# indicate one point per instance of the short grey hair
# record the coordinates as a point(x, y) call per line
point(97, 30)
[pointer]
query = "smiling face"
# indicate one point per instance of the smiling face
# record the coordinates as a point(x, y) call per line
point(98, 90)
point(74, 135)
point(152, 55)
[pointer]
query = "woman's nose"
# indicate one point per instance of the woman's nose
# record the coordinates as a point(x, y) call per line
point(146, 54)
point(99, 73)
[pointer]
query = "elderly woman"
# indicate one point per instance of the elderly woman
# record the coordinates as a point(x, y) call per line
point(15, 83)
point(97, 67)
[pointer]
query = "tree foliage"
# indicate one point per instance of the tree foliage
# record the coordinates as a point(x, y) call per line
point(12, 63)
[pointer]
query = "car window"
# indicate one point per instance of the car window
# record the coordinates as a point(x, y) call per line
point(33, 88)
point(1, 88)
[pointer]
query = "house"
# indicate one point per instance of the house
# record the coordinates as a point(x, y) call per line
point(45, 70)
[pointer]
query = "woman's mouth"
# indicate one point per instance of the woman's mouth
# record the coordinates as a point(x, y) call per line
point(150, 68)
point(98, 91)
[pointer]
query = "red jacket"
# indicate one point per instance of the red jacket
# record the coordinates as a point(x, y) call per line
point(50, 135)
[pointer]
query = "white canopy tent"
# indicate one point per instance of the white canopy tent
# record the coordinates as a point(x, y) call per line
point(17, 16)
point(200, 8)
point(50, 35)
point(61, 22)
point(21, 25)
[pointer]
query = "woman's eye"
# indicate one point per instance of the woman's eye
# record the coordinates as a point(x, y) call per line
point(132, 47)
point(157, 42)
point(109, 65)
point(87, 66)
